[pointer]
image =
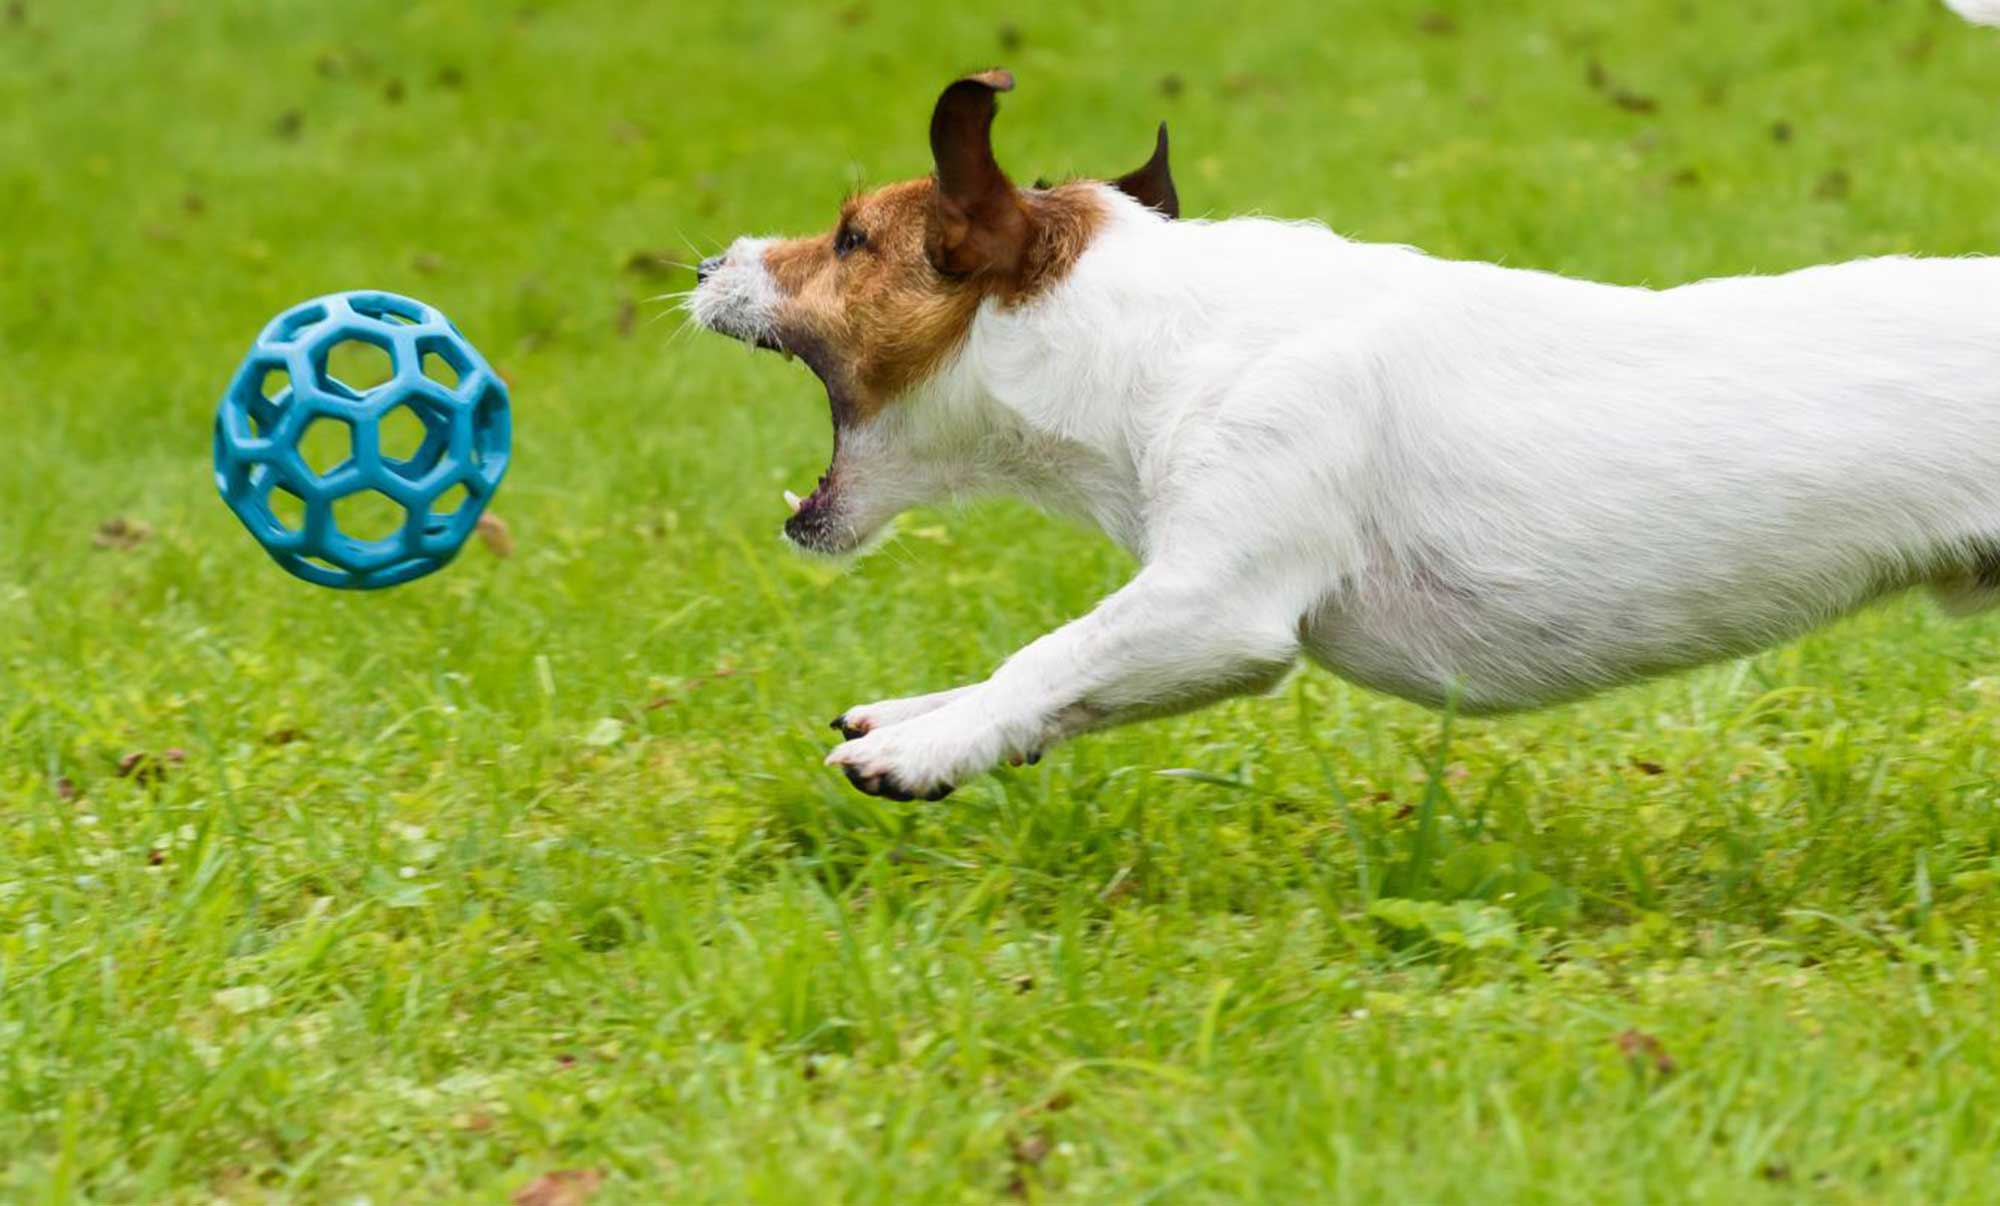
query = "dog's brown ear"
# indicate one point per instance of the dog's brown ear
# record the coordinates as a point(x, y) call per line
point(980, 224)
point(1153, 184)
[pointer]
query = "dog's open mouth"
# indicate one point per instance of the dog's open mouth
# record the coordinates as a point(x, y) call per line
point(812, 516)
point(815, 521)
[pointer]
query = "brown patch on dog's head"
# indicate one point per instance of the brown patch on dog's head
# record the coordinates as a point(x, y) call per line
point(879, 302)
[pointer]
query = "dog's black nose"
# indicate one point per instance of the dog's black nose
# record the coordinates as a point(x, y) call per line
point(707, 268)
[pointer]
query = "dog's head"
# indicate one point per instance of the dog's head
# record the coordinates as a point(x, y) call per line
point(877, 306)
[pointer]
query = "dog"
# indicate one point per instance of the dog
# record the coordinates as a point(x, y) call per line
point(1457, 483)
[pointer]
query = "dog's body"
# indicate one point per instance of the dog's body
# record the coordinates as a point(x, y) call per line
point(1443, 480)
point(1433, 476)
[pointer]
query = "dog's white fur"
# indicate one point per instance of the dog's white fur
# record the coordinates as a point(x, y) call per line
point(1439, 479)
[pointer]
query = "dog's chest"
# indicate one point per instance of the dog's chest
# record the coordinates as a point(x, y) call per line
point(1407, 642)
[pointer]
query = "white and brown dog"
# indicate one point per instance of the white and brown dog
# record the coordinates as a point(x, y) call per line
point(1441, 480)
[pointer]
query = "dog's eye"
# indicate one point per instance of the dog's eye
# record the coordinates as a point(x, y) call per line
point(847, 240)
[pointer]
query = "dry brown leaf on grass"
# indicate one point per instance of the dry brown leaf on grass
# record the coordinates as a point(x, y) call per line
point(1033, 1149)
point(145, 768)
point(493, 530)
point(1062, 1100)
point(1028, 1153)
point(1616, 92)
point(1642, 1049)
point(121, 533)
point(690, 686)
point(563, 1187)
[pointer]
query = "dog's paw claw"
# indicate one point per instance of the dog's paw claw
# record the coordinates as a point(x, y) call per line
point(887, 787)
point(847, 728)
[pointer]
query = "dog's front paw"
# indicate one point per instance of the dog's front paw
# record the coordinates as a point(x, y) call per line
point(880, 765)
point(889, 787)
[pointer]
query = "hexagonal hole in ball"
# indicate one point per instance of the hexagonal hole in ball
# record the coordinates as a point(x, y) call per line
point(276, 383)
point(352, 367)
point(440, 370)
point(443, 361)
point(291, 324)
point(413, 439)
point(287, 508)
point(326, 445)
point(266, 404)
point(446, 506)
point(383, 308)
point(368, 516)
point(400, 434)
point(490, 426)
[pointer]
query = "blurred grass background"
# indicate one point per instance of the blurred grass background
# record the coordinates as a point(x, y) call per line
point(532, 866)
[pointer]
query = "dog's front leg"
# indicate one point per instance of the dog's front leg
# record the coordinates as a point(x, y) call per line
point(1171, 639)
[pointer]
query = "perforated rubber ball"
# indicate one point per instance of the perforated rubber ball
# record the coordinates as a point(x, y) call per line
point(361, 439)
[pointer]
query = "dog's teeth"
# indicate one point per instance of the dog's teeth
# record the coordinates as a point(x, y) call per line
point(793, 501)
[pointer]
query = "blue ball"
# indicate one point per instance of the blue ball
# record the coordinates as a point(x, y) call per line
point(359, 488)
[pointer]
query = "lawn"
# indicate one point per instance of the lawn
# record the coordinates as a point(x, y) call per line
point(533, 866)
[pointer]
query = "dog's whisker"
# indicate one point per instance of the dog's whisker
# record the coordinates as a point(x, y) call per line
point(699, 254)
point(680, 332)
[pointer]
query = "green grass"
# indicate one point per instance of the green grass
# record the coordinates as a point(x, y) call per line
point(533, 865)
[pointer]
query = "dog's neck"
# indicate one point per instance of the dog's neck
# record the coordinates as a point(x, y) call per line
point(1054, 400)
point(1080, 399)
point(967, 434)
